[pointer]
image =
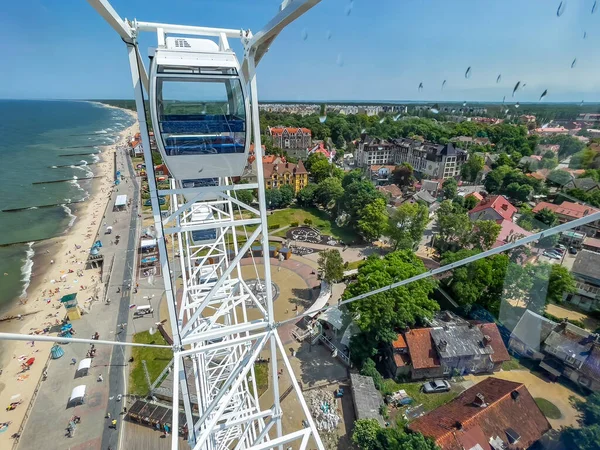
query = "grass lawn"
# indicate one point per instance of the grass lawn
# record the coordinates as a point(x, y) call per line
point(261, 372)
point(354, 264)
point(548, 408)
point(156, 360)
point(513, 364)
point(319, 218)
point(429, 401)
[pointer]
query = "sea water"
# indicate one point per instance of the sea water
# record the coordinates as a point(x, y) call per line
point(32, 136)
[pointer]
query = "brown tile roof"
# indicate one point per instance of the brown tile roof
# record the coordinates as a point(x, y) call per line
point(477, 195)
point(462, 422)
point(399, 342)
point(279, 130)
point(391, 189)
point(568, 209)
point(500, 353)
point(280, 169)
point(422, 349)
point(401, 359)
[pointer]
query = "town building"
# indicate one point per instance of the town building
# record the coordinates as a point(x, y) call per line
point(562, 349)
point(367, 399)
point(295, 141)
point(453, 347)
point(587, 185)
point(586, 271)
point(431, 160)
point(567, 211)
point(494, 207)
point(494, 414)
point(278, 172)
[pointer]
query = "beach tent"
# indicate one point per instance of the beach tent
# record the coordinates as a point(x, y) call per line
point(77, 394)
point(120, 201)
point(148, 243)
point(56, 351)
point(84, 365)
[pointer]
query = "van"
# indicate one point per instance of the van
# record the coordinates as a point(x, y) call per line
point(141, 311)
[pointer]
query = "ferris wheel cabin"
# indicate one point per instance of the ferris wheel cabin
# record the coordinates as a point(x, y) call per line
point(199, 109)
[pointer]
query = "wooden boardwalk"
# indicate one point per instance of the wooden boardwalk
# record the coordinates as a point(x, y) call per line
point(140, 437)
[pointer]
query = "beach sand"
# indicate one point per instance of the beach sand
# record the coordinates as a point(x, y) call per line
point(52, 262)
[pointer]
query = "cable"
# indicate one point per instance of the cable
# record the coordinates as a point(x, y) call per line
point(60, 340)
point(462, 262)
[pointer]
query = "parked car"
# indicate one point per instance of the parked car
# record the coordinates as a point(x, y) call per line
point(431, 387)
point(572, 250)
point(562, 247)
point(552, 255)
point(558, 250)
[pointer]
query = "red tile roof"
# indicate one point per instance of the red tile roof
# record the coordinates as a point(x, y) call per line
point(399, 342)
point(279, 130)
point(591, 242)
point(460, 422)
point(568, 209)
point(498, 203)
point(500, 353)
point(401, 359)
point(477, 195)
point(422, 349)
point(391, 189)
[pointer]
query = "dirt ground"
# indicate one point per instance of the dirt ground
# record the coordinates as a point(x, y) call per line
point(559, 311)
point(541, 387)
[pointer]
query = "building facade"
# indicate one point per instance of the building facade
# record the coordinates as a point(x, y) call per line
point(431, 160)
point(281, 174)
point(296, 141)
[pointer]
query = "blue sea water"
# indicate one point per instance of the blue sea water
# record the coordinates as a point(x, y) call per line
point(33, 135)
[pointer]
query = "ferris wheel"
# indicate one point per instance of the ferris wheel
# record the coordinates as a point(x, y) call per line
point(204, 114)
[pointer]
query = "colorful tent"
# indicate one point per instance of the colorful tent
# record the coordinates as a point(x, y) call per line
point(57, 351)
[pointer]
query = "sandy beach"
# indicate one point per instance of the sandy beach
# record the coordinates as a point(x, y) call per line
point(58, 269)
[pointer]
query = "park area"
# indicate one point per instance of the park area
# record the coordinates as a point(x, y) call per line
point(156, 360)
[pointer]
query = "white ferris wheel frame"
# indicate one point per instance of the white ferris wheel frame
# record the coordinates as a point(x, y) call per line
point(208, 335)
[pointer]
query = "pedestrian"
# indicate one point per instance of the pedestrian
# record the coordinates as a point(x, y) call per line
point(124, 410)
point(108, 415)
point(73, 361)
point(100, 378)
point(114, 423)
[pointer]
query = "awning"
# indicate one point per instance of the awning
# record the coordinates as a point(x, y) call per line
point(121, 200)
point(550, 369)
point(84, 364)
point(350, 331)
point(78, 392)
point(333, 316)
point(147, 243)
point(321, 301)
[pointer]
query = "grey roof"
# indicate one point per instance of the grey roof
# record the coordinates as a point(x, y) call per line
point(571, 341)
point(424, 196)
point(532, 329)
point(367, 399)
point(430, 185)
point(587, 264)
point(461, 340)
point(165, 389)
point(584, 184)
point(446, 317)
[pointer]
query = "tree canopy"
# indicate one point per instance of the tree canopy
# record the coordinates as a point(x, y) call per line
point(407, 224)
point(372, 222)
point(369, 435)
point(331, 265)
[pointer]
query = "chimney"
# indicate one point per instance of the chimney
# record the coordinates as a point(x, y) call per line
point(486, 340)
point(479, 401)
point(442, 345)
point(515, 395)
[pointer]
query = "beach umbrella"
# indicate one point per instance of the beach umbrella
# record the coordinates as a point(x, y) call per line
point(57, 351)
point(30, 361)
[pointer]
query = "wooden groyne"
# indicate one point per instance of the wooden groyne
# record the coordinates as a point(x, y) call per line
point(66, 179)
point(38, 207)
point(69, 165)
point(81, 154)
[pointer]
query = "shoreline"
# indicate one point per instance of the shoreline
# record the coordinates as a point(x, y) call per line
point(58, 267)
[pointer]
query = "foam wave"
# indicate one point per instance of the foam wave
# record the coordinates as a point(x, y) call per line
point(55, 167)
point(26, 269)
point(101, 132)
point(70, 214)
point(33, 207)
point(95, 158)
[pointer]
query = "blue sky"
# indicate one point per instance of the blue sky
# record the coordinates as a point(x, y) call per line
point(381, 51)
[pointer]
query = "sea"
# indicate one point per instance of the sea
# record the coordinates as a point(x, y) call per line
point(43, 141)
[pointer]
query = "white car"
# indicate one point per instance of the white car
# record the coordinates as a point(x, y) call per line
point(552, 255)
point(431, 387)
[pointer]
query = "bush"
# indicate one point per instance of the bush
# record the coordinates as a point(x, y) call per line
point(273, 226)
point(294, 224)
point(577, 323)
point(307, 221)
point(369, 370)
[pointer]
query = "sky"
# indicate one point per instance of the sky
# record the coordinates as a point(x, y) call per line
point(340, 50)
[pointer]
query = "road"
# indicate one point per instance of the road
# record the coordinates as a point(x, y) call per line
point(123, 276)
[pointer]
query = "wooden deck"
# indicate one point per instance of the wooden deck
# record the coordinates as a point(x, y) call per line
point(139, 437)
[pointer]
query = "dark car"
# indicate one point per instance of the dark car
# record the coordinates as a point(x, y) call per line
point(434, 386)
point(572, 250)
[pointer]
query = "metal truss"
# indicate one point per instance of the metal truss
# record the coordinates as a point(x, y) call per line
point(215, 345)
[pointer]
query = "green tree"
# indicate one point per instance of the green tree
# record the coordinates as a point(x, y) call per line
point(454, 227)
point(407, 224)
point(588, 435)
point(470, 202)
point(450, 188)
point(485, 234)
point(245, 196)
point(331, 265)
point(516, 191)
point(368, 369)
point(312, 159)
point(559, 177)
point(320, 170)
point(372, 220)
point(379, 315)
point(287, 195)
point(403, 175)
point(560, 282)
point(272, 198)
point(495, 179)
point(328, 192)
point(306, 195)
point(470, 170)
point(365, 434)
point(547, 217)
